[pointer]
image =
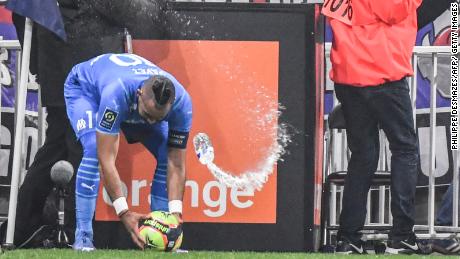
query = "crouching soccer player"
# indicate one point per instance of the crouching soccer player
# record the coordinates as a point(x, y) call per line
point(114, 92)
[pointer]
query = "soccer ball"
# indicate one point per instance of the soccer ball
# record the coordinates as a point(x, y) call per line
point(161, 232)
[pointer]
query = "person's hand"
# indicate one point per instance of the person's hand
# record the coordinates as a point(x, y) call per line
point(131, 221)
point(178, 217)
point(173, 234)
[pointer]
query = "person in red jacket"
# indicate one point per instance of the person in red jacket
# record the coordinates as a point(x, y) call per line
point(371, 50)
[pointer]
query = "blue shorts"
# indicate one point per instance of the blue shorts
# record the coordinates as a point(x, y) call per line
point(82, 113)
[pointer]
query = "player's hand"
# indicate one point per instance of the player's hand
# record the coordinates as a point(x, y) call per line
point(178, 217)
point(131, 221)
point(174, 233)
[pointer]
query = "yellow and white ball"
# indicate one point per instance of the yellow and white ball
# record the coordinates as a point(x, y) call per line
point(161, 232)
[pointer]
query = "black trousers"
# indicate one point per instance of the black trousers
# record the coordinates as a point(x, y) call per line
point(60, 144)
point(387, 106)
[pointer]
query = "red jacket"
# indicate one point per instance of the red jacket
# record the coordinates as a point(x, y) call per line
point(373, 40)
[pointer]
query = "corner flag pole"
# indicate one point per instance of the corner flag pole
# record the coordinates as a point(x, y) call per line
point(19, 130)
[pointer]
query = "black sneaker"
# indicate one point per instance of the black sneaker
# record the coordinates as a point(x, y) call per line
point(345, 246)
point(406, 246)
point(446, 246)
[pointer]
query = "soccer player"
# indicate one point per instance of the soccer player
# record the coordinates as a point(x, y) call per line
point(114, 92)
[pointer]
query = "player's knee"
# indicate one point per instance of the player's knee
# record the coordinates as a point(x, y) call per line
point(88, 141)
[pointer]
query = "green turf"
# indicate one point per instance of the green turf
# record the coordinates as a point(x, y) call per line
point(132, 254)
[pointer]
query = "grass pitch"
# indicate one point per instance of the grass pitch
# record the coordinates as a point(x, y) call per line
point(134, 254)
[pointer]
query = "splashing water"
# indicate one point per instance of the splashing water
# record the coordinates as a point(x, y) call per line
point(266, 121)
point(188, 25)
point(252, 179)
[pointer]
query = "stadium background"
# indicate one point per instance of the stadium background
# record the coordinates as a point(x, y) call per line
point(435, 33)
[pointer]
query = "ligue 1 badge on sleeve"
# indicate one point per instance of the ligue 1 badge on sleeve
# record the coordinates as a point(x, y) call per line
point(108, 119)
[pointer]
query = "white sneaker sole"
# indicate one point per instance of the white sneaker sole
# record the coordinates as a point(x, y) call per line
point(85, 249)
point(344, 253)
point(395, 251)
point(181, 251)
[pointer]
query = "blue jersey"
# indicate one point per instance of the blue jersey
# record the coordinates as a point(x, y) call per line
point(110, 82)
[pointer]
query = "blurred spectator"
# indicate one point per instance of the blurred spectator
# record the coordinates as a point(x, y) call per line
point(370, 58)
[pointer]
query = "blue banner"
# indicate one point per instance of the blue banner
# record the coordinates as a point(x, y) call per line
point(43, 12)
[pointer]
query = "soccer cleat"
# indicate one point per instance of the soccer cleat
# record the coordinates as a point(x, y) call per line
point(446, 246)
point(344, 246)
point(406, 246)
point(83, 242)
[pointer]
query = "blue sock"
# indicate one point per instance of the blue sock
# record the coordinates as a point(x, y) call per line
point(158, 192)
point(87, 186)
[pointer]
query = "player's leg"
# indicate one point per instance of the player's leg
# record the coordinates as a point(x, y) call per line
point(444, 216)
point(154, 138)
point(81, 113)
point(74, 156)
point(86, 188)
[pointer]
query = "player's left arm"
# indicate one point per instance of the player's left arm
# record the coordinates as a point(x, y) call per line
point(176, 179)
point(179, 123)
point(107, 149)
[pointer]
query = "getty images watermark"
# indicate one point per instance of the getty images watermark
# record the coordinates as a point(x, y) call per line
point(454, 77)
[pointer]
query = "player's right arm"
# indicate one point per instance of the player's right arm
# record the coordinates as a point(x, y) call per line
point(112, 110)
point(107, 149)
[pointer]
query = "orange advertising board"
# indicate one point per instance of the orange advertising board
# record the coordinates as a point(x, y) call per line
point(234, 86)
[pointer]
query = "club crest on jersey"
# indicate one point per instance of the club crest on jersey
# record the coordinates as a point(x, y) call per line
point(81, 124)
point(108, 119)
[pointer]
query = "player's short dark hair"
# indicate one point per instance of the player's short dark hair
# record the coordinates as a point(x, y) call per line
point(163, 89)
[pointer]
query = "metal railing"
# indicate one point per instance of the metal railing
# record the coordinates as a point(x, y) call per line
point(7, 45)
point(435, 52)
